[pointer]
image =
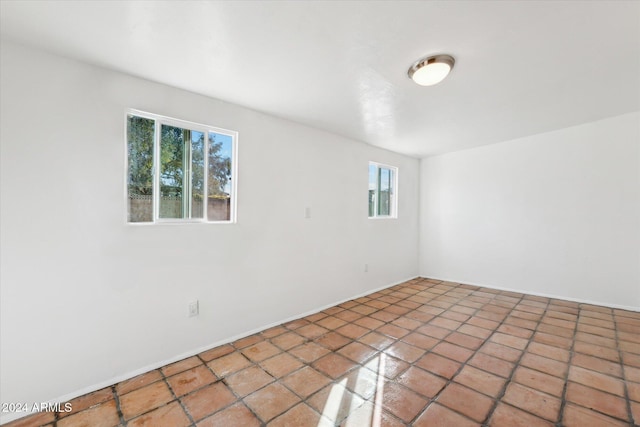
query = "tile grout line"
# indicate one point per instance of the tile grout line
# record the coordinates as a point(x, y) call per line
point(424, 323)
point(448, 380)
point(218, 380)
point(240, 399)
point(516, 363)
point(173, 393)
point(563, 400)
point(116, 397)
point(620, 363)
point(462, 364)
point(624, 371)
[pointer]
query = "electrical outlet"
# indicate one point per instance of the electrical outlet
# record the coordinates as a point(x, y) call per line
point(194, 310)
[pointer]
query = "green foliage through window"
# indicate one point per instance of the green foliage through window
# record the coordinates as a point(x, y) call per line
point(175, 185)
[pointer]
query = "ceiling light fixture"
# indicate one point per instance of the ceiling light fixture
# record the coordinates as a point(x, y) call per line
point(431, 70)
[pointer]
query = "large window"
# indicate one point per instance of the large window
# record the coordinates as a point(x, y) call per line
point(382, 191)
point(179, 171)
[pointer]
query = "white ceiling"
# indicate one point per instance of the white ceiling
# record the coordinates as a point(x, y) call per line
point(522, 67)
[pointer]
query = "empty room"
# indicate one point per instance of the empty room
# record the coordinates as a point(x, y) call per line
point(319, 213)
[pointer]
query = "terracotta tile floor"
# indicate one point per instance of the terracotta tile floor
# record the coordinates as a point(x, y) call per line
point(422, 353)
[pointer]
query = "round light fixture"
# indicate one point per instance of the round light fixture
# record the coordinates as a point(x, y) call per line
point(431, 70)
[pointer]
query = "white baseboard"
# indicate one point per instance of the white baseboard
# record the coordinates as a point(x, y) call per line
point(540, 294)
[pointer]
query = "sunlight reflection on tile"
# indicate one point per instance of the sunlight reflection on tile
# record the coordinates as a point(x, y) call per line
point(377, 409)
point(334, 400)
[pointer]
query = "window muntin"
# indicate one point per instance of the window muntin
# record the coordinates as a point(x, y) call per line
point(166, 170)
point(382, 191)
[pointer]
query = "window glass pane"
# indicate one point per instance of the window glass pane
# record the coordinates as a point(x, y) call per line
point(384, 185)
point(140, 133)
point(373, 185)
point(172, 156)
point(197, 174)
point(219, 174)
point(176, 172)
point(391, 195)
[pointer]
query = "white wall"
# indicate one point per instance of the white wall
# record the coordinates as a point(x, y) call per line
point(87, 299)
point(555, 214)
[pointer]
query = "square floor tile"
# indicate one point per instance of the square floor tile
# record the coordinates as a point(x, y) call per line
point(596, 380)
point(369, 323)
point(333, 365)
point(507, 415)
point(333, 341)
point(236, 415)
point(299, 415)
point(422, 382)
point(370, 414)
point(376, 340)
point(404, 351)
point(309, 352)
point(464, 340)
point(452, 351)
point(387, 366)
point(311, 331)
point(281, 365)
point(439, 365)
point(180, 366)
point(135, 383)
point(419, 340)
point(335, 402)
point(440, 416)
point(597, 400)
point(102, 415)
point(507, 353)
point(549, 351)
point(36, 420)
point(169, 415)
point(392, 331)
point(541, 404)
point(539, 381)
point(466, 401)
point(578, 416)
point(352, 331)
point(145, 399)
point(331, 322)
point(229, 364)
point(402, 402)
point(479, 380)
point(188, 381)
point(357, 352)
point(247, 341)
point(83, 402)
point(260, 351)
point(216, 352)
point(306, 381)
point(271, 401)
point(248, 380)
point(288, 340)
point(545, 365)
point(208, 400)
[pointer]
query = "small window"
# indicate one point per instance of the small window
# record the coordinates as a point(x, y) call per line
point(382, 191)
point(179, 171)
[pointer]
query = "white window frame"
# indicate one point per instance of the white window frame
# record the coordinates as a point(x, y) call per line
point(198, 127)
point(394, 191)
